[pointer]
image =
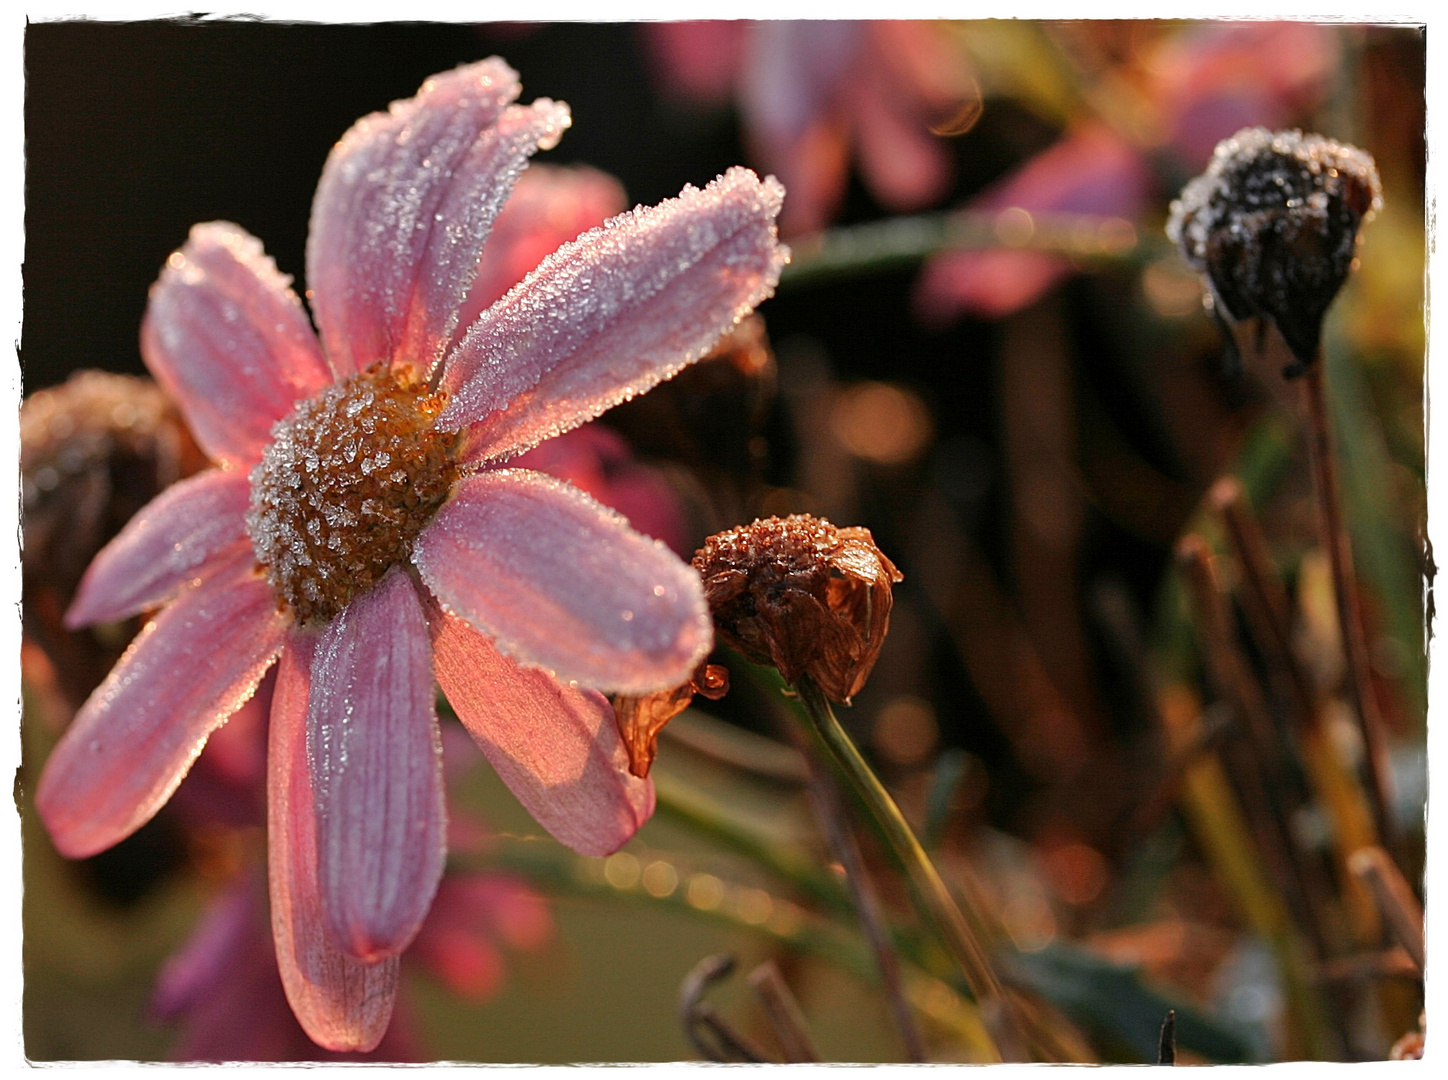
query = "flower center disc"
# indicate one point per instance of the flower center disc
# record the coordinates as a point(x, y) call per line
point(349, 480)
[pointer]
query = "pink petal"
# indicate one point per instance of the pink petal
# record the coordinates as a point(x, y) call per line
point(904, 165)
point(613, 313)
point(988, 284)
point(341, 1003)
point(549, 206)
point(227, 338)
point(556, 747)
point(376, 759)
point(170, 542)
point(563, 583)
point(699, 60)
point(133, 740)
point(405, 202)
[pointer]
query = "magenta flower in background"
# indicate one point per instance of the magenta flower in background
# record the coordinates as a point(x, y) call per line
point(361, 532)
point(1199, 86)
point(1092, 171)
point(811, 93)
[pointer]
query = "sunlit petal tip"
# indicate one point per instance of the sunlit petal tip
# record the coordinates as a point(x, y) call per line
point(556, 746)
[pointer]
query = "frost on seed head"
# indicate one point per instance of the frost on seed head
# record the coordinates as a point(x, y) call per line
point(348, 482)
point(1272, 226)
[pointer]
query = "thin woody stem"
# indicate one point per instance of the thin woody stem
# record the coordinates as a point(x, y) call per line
point(955, 932)
point(1349, 613)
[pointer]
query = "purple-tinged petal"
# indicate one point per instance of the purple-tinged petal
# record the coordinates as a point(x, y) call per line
point(341, 1003)
point(174, 539)
point(376, 760)
point(616, 311)
point(404, 205)
point(563, 583)
point(556, 747)
point(133, 740)
point(228, 339)
point(550, 205)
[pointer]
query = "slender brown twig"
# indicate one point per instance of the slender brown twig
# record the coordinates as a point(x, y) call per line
point(1349, 613)
point(786, 1018)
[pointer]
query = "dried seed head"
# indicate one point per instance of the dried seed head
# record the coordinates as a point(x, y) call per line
point(1272, 225)
point(801, 595)
point(349, 480)
point(93, 452)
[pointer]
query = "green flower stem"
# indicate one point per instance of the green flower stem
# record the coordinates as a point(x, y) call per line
point(897, 241)
point(955, 932)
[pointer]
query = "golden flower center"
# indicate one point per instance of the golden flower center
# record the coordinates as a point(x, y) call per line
point(348, 482)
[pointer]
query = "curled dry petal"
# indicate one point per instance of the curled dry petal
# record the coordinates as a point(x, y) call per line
point(615, 312)
point(376, 760)
point(555, 746)
point(563, 583)
point(226, 337)
point(640, 719)
point(404, 205)
point(802, 595)
point(341, 1003)
point(135, 738)
point(178, 536)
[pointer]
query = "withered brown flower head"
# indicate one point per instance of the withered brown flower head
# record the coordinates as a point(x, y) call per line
point(1272, 225)
point(93, 451)
point(802, 595)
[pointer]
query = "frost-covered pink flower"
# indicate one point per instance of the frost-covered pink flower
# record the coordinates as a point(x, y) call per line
point(811, 93)
point(361, 532)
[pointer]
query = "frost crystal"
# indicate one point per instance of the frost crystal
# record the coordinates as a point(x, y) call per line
point(1272, 225)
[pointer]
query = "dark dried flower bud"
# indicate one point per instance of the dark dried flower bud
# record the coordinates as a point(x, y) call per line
point(802, 595)
point(93, 452)
point(640, 719)
point(1272, 225)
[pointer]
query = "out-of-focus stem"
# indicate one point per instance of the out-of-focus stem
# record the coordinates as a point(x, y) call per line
point(1260, 772)
point(1269, 616)
point(786, 1018)
point(1349, 614)
point(1395, 898)
point(955, 932)
point(881, 245)
point(825, 795)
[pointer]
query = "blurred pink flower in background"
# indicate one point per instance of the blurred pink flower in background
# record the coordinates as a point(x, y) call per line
point(362, 473)
point(810, 93)
point(1200, 85)
point(1213, 79)
point(1092, 170)
point(223, 988)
